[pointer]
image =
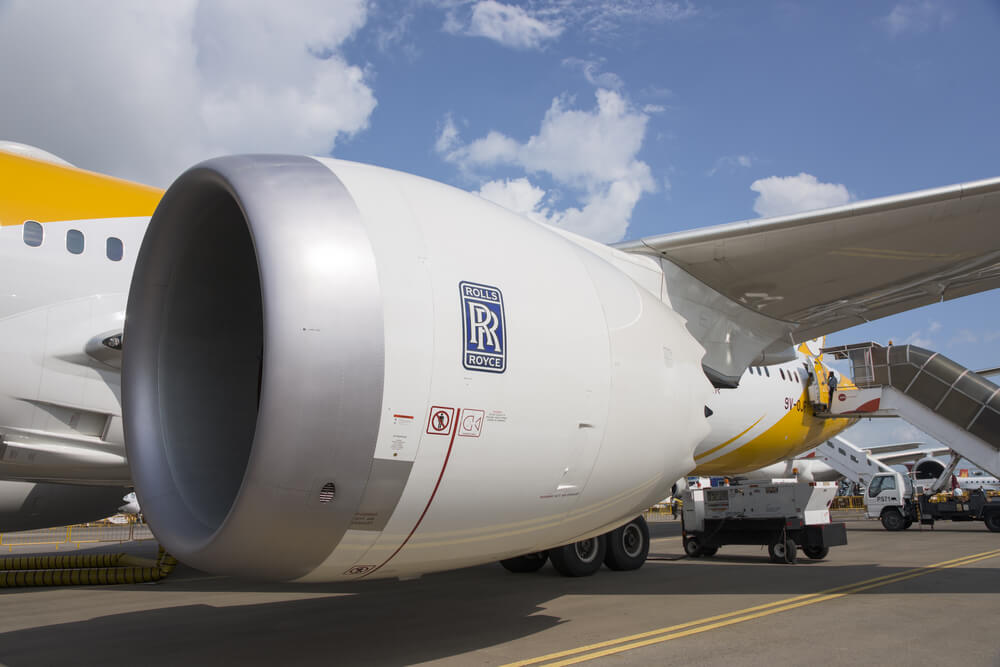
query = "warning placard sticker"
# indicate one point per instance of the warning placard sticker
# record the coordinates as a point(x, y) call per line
point(470, 423)
point(440, 420)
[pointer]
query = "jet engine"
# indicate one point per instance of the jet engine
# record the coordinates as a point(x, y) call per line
point(928, 468)
point(337, 371)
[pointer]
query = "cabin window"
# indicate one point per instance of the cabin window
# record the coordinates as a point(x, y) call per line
point(33, 233)
point(114, 249)
point(767, 372)
point(782, 371)
point(74, 241)
point(797, 376)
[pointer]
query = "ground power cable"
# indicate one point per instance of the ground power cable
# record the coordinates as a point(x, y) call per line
point(84, 569)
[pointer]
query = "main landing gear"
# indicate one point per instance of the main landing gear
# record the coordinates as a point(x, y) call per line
point(624, 548)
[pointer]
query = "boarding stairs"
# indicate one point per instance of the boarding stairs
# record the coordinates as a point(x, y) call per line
point(854, 463)
point(957, 406)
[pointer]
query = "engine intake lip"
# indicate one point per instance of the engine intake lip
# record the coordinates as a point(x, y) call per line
point(253, 365)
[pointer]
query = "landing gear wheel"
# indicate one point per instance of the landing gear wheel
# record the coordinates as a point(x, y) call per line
point(692, 547)
point(525, 563)
point(708, 552)
point(782, 551)
point(892, 520)
point(816, 553)
point(628, 545)
point(580, 559)
point(992, 521)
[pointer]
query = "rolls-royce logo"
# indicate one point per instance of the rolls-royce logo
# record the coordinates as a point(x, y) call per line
point(484, 328)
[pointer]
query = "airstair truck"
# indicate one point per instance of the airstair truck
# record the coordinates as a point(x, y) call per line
point(899, 502)
point(783, 514)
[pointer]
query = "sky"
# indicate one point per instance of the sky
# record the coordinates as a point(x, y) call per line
point(615, 120)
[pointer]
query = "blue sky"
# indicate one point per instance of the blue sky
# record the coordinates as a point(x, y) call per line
point(618, 120)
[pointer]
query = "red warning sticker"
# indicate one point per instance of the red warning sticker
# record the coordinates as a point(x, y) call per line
point(440, 420)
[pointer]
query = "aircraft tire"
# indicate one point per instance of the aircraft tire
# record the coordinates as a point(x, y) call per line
point(816, 553)
point(892, 519)
point(782, 551)
point(992, 521)
point(628, 545)
point(580, 559)
point(525, 563)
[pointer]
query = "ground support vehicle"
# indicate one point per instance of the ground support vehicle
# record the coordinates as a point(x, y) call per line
point(783, 514)
point(893, 498)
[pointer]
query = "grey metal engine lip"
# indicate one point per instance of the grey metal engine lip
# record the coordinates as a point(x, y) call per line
point(291, 204)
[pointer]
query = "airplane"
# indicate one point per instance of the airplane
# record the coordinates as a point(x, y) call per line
point(977, 480)
point(813, 468)
point(390, 376)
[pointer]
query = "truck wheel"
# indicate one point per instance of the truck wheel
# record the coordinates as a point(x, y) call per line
point(580, 559)
point(525, 563)
point(708, 552)
point(816, 553)
point(782, 551)
point(992, 521)
point(692, 547)
point(907, 524)
point(892, 520)
point(628, 545)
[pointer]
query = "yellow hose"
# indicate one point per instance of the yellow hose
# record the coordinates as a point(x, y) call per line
point(84, 569)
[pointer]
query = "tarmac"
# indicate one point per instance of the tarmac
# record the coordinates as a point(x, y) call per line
point(919, 597)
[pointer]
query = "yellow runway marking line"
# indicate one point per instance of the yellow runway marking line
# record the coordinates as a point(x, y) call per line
point(622, 644)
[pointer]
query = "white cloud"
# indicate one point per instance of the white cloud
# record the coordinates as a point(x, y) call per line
point(916, 16)
point(509, 25)
point(732, 162)
point(144, 90)
point(516, 27)
point(963, 337)
point(448, 136)
point(604, 19)
point(593, 152)
point(518, 195)
point(656, 92)
point(919, 339)
point(779, 195)
point(592, 72)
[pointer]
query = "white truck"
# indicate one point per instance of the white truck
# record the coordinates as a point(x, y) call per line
point(893, 498)
point(783, 514)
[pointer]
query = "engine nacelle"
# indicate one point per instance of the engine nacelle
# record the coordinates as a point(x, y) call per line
point(928, 468)
point(334, 371)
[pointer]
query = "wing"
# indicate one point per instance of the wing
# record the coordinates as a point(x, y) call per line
point(911, 456)
point(814, 273)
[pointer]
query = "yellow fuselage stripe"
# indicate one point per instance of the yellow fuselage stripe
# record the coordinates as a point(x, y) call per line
point(45, 192)
point(732, 439)
point(795, 433)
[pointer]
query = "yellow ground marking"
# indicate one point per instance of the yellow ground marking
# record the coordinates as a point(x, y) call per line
point(734, 438)
point(42, 191)
point(631, 642)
